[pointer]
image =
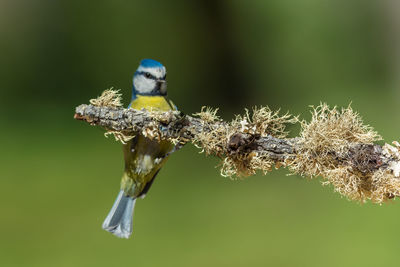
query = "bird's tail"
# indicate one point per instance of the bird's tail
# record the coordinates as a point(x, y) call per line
point(119, 220)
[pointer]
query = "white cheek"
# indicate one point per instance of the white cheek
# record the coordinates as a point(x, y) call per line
point(143, 85)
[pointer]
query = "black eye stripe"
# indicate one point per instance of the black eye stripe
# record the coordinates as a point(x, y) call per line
point(147, 75)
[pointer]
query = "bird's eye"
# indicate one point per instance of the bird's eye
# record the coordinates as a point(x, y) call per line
point(147, 75)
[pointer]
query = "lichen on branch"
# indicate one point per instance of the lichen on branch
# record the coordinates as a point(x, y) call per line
point(335, 144)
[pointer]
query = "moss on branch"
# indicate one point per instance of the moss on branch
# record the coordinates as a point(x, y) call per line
point(334, 144)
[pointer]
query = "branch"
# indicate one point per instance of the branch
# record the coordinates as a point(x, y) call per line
point(335, 144)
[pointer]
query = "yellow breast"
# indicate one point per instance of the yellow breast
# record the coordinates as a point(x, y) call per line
point(152, 103)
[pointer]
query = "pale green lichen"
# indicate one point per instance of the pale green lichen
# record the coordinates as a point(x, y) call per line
point(112, 98)
point(330, 129)
point(260, 122)
point(263, 121)
point(330, 134)
point(109, 98)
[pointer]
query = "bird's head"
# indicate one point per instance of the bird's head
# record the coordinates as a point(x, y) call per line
point(150, 78)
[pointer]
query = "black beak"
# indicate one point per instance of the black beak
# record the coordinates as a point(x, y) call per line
point(162, 86)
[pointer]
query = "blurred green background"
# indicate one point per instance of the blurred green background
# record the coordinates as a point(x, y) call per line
point(59, 177)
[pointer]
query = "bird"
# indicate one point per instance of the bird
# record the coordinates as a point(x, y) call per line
point(143, 156)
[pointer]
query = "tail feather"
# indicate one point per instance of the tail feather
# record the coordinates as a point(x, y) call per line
point(119, 219)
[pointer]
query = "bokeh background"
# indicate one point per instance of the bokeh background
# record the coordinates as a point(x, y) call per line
point(59, 177)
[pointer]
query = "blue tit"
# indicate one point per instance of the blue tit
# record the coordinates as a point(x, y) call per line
point(144, 157)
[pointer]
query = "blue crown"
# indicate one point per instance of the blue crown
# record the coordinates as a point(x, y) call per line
point(150, 63)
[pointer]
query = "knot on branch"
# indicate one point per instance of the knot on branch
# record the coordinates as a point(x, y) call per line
point(365, 158)
point(240, 143)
